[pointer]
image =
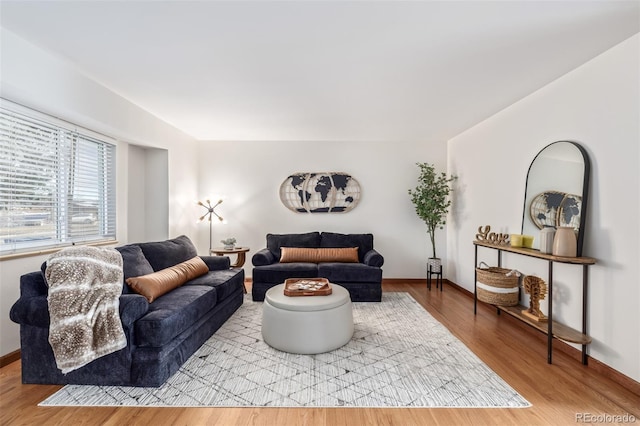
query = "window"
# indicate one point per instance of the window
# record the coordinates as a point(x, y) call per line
point(57, 182)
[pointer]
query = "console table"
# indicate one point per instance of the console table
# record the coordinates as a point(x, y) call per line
point(551, 328)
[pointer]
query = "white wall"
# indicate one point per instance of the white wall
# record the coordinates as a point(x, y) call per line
point(148, 194)
point(37, 79)
point(156, 197)
point(136, 199)
point(250, 174)
point(596, 105)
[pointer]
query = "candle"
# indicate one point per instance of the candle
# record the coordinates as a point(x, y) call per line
point(516, 240)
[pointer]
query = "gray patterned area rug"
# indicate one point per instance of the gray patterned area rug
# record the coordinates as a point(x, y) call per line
point(400, 356)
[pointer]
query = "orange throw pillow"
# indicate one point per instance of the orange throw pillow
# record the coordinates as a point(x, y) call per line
point(319, 255)
point(158, 283)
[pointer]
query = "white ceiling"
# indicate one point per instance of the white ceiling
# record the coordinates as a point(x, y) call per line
point(323, 70)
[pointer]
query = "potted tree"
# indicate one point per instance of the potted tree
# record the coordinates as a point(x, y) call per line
point(431, 200)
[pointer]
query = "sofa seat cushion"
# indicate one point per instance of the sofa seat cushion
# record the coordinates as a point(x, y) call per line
point(349, 272)
point(278, 272)
point(225, 281)
point(173, 313)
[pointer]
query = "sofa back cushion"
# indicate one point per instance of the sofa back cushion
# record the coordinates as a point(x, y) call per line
point(164, 254)
point(134, 263)
point(158, 283)
point(276, 241)
point(319, 255)
point(364, 242)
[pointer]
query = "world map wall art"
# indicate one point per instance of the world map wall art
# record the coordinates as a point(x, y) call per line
point(320, 192)
point(555, 208)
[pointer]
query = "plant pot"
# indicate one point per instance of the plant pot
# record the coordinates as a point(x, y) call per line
point(229, 246)
point(434, 264)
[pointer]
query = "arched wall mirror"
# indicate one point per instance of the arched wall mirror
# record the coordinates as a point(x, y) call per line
point(557, 189)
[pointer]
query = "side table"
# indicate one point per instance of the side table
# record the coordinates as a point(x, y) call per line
point(239, 251)
point(240, 259)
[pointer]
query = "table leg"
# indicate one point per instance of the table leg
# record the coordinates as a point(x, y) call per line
point(239, 260)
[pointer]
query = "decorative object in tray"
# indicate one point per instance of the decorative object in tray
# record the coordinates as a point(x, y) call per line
point(491, 237)
point(307, 287)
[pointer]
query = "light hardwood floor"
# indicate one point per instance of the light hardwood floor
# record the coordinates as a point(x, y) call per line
point(559, 392)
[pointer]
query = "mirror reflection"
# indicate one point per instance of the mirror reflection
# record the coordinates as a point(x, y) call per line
point(556, 190)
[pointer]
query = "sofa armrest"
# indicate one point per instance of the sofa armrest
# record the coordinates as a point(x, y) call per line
point(34, 311)
point(132, 308)
point(373, 258)
point(217, 263)
point(263, 257)
point(31, 311)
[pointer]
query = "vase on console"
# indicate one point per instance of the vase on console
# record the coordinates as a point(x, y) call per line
point(565, 243)
point(547, 235)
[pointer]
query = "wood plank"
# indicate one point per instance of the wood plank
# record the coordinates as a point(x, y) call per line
point(513, 350)
point(559, 330)
point(536, 253)
point(9, 358)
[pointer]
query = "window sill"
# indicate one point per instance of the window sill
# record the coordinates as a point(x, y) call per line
point(24, 254)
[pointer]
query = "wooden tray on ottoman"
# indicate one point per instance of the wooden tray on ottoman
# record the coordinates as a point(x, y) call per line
point(307, 287)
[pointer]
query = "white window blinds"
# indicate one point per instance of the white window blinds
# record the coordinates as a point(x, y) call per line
point(57, 183)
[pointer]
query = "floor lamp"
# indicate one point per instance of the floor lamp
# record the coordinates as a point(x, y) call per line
point(209, 215)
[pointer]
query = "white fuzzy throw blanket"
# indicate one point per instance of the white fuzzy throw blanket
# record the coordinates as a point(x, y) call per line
point(85, 284)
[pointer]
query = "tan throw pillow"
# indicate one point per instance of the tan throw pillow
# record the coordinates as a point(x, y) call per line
point(158, 283)
point(318, 255)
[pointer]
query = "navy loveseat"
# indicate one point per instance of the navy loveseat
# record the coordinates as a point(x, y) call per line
point(363, 279)
point(161, 335)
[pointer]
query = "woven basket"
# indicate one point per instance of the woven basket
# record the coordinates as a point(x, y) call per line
point(496, 287)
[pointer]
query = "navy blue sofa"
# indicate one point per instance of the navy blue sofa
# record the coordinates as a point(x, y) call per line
point(363, 280)
point(161, 335)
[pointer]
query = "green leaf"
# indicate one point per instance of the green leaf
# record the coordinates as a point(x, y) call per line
point(431, 199)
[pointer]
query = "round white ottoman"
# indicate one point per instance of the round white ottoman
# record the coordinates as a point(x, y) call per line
point(307, 324)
